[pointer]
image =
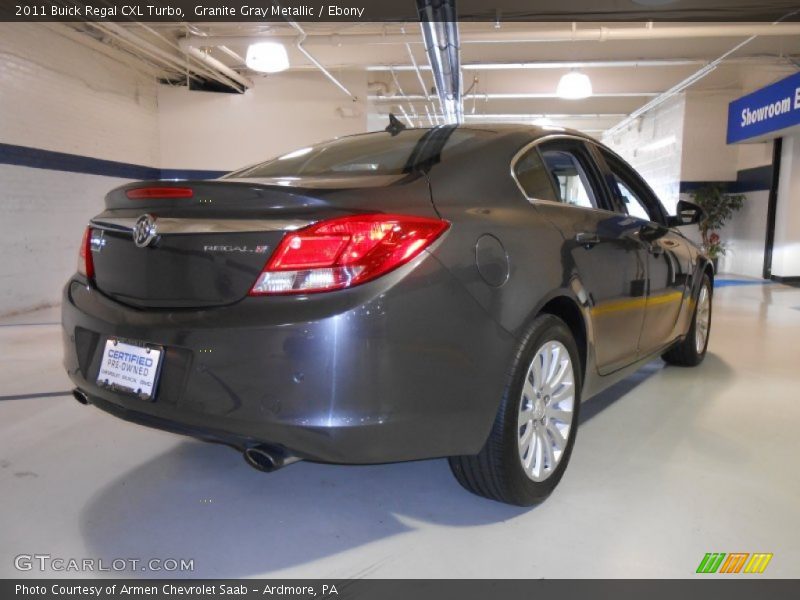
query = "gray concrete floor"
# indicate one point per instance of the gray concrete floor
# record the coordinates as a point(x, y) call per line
point(670, 464)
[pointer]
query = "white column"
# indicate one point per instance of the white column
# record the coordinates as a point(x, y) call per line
point(786, 250)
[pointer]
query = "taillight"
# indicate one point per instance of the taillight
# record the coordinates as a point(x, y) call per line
point(343, 252)
point(85, 262)
point(145, 193)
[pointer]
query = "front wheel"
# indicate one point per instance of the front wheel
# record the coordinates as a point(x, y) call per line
point(531, 441)
point(691, 351)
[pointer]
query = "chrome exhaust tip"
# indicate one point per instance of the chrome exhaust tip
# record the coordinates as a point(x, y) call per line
point(80, 396)
point(267, 458)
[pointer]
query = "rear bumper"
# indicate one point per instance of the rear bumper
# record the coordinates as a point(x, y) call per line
point(405, 368)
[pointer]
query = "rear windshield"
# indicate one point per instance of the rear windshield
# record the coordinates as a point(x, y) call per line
point(369, 154)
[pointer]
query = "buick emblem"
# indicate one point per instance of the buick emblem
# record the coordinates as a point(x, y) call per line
point(144, 231)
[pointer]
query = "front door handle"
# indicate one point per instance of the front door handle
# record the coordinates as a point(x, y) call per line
point(587, 239)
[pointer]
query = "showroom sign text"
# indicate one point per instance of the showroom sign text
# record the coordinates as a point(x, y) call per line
point(766, 111)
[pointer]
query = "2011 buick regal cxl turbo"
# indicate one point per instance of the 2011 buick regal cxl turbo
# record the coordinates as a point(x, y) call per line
point(392, 296)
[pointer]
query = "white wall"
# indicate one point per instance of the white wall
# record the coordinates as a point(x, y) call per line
point(786, 250)
point(57, 95)
point(698, 120)
point(660, 166)
point(753, 155)
point(705, 155)
point(203, 130)
point(745, 233)
point(745, 236)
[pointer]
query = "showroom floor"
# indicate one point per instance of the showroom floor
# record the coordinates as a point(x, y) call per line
point(670, 464)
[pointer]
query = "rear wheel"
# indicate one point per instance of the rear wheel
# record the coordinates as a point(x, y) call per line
point(533, 434)
point(692, 350)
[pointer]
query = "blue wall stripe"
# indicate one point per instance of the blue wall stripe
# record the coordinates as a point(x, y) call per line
point(37, 158)
point(747, 180)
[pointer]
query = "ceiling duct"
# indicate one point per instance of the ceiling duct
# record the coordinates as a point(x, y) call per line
point(440, 35)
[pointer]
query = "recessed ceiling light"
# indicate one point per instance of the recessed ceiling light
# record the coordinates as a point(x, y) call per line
point(267, 57)
point(574, 86)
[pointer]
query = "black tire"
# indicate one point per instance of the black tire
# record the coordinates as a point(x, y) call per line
point(496, 472)
point(685, 352)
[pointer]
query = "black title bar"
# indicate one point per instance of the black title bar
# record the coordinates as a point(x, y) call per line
point(396, 10)
point(393, 589)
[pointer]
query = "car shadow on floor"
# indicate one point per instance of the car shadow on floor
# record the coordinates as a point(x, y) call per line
point(597, 404)
point(201, 501)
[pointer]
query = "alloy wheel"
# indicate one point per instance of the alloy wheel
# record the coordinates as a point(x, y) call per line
point(546, 410)
point(703, 319)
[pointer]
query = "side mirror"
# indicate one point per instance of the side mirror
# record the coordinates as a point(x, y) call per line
point(688, 214)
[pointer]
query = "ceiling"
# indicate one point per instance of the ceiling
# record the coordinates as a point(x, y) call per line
point(630, 64)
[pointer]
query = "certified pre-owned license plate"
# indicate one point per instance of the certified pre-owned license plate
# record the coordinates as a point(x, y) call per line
point(130, 368)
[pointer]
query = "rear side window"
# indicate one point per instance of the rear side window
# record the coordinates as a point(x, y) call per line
point(533, 177)
point(633, 205)
point(570, 177)
point(631, 192)
point(377, 153)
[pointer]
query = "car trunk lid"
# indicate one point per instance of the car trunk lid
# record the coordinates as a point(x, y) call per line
point(207, 247)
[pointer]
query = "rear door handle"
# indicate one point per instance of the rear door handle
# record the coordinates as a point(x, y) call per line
point(587, 239)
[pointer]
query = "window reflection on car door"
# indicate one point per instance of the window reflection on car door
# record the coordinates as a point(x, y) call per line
point(609, 264)
point(668, 258)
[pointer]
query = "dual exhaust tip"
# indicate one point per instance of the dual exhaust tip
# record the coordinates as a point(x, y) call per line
point(261, 457)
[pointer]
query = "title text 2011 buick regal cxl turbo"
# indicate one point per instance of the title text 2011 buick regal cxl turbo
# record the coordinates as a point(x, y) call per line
point(407, 294)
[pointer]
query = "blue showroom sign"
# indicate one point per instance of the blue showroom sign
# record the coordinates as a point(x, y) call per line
point(765, 111)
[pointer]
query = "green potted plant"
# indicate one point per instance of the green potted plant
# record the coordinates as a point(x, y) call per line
point(718, 207)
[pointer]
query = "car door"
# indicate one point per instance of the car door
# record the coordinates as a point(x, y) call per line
point(668, 258)
point(598, 248)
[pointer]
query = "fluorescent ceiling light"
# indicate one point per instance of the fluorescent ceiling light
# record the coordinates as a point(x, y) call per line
point(554, 64)
point(267, 57)
point(574, 86)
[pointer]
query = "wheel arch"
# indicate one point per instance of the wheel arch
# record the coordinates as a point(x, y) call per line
point(567, 309)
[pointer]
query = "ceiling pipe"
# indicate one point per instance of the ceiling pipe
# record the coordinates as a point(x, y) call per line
point(439, 26)
point(676, 89)
point(587, 64)
point(234, 55)
point(402, 93)
point(521, 96)
point(177, 63)
point(219, 71)
point(328, 74)
point(227, 75)
point(510, 36)
point(405, 115)
point(379, 89)
point(147, 67)
point(415, 67)
point(679, 87)
point(215, 64)
point(212, 62)
point(199, 32)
